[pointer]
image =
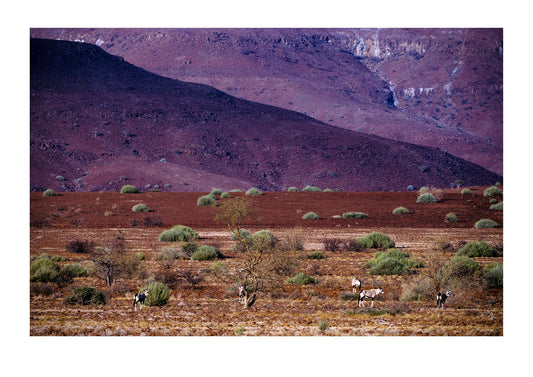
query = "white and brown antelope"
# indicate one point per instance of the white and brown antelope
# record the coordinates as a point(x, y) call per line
point(356, 285)
point(371, 294)
point(139, 298)
point(441, 298)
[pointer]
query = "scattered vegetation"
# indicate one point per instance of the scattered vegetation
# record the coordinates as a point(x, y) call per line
point(310, 216)
point(302, 279)
point(376, 240)
point(85, 296)
point(426, 198)
point(310, 188)
point(292, 189)
point(486, 223)
point(392, 262)
point(315, 255)
point(49, 192)
point(80, 247)
point(478, 249)
point(129, 189)
point(466, 191)
point(493, 277)
point(206, 252)
point(253, 191)
point(497, 206)
point(206, 200)
point(355, 215)
point(159, 293)
point(140, 208)
point(492, 191)
point(400, 211)
point(178, 233)
point(451, 218)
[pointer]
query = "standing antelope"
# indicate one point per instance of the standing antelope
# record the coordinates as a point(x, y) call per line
point(139, 298)
point(371, 294)
point(356, 284)
point(441, 298)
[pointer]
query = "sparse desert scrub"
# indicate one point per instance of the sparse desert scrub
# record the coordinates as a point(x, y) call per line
point(392, 262)
point(310, 216)
point(418, 290)
point(400, 211)
point(216, 192)
point(302, 279)
point(376, 240)
point(140, 208)
point(225, 195)
point(451, 218)
point(49, 192)
point(167, 257)
point(497, 206)
point(158, 295)
point(178, 233)
point(310, 188)
point(355, 215)
point(80, 247)
point(493, 276)
point(478, 249)
point(206, 200)
point(292, 189)
point(349, 296)
point(253, 191)
point(486, 223)
point(492, 191)
point(315, 255)
point(206, 252)
point(426, 198)
point(466, 191)
point(129, 189)
point(85, 296)
point(460, 267)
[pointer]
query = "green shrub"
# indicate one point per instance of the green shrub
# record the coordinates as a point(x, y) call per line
point(140, 208)
point(75, 269)
point(420, 291)
point(460, 267)
point(140, 256)
point(206, 252)
point(225, 195)
point(178, 233)
point(400, 211)
point(493, 276)
point(292, 189)
point(426, 198)
point(478, 249)
point(243, 233)
point(216, 192)
point(167, 254)
point(44, 269)
point(497, 207)
point(323, 325)
point(349, 296)
point(376, 240)
point(158, 294)
point(486, 223)
point(392, 262)
point(80, 247)
point(355, 215)
point(263, 240)
point(315, 255)
point(129, 189)
point(206, 200)
point(451, 218)
point(85, 296)
point(423, 189)
point(310, 216)
point(302, 279)
point(49, 192)
point(189, 248)
point(492, 191)
point(466, 191)
point(310, 188)
point(253, 191)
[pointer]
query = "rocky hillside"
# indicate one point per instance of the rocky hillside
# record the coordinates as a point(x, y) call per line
point(435, 87)
point(98, 122)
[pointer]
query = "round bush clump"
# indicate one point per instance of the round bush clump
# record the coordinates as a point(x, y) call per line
point(302, 279)
point(206, 200)
point(486, 223)
point(85, 296)
point(158, 294)
point(497, 206)
point(426, 198)
point(310, 188)
point(49, 192)
point(460, 266)
point(292, 189)
point(491, 191)
point(216, 192)
point(310, 216)
point(376, 240)
point(478, 249)
point(493, 277)
point(178, 233)
point(315, 255)
point(355, 215)
point(451, 218)
point(129, 189)
point(466, 191)
point(400, 211)
point(253, 191)
point(206, 252)
point(225, 195)
point(392, 262)
point(140, 208)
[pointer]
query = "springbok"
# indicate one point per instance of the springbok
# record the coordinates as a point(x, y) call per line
point(139, 298)
point(441, 298)
point(371, 294)
point(356, 284)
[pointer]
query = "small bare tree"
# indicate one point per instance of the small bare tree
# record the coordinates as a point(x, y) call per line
point(111, 261)
point(262, 263)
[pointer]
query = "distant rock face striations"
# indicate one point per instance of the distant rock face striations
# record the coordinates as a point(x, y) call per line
point(434, 87)
point(98, 122)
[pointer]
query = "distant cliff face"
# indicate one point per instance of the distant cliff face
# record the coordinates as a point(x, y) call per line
point(435, 87)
